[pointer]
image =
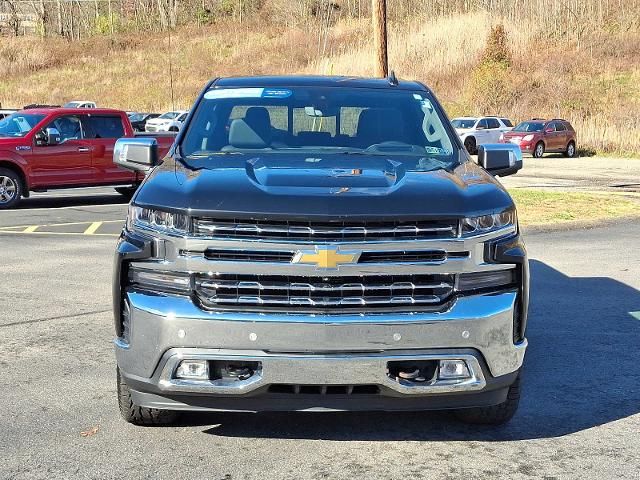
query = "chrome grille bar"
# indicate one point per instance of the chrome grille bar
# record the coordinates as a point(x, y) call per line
point(300, 293)
point(318, 231)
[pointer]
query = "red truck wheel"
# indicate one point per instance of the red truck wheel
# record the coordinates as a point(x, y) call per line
point(10, 188)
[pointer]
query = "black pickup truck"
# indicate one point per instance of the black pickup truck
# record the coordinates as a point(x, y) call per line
point(319, 243)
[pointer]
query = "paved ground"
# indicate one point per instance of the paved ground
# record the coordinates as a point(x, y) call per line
point(579, 418)
point(554, 172)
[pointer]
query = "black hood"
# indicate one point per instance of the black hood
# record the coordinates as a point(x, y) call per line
point(331, 187)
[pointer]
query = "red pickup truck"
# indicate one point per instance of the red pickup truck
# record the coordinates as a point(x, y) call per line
point(46, 148)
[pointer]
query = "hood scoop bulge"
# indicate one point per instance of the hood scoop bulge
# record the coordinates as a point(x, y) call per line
point(342, 172)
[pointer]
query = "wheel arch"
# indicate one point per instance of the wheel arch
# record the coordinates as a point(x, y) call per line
point(17, 168)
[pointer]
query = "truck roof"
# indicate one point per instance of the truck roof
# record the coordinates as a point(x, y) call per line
point(316, 81)
point(79, 111)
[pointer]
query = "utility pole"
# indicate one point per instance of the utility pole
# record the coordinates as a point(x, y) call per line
point(379, 12)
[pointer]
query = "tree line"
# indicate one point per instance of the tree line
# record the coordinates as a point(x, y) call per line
point(76, 19)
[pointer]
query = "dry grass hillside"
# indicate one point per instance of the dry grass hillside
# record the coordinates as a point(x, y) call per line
point(587, 72)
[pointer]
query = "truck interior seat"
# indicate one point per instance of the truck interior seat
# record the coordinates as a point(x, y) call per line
point(377, 125)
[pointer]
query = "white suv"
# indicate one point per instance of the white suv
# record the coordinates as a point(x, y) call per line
point(167, 122)
point(474, 131)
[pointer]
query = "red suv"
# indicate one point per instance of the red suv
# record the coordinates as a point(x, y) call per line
point(538, 137)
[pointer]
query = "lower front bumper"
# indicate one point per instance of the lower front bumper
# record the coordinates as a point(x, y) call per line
point(318, 350)
point(493, 393)
point(254, 394)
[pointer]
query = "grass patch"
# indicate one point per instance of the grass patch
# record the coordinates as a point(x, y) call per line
point(539, 207)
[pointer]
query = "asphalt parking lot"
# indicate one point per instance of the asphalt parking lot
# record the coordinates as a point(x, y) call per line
point(579, 418)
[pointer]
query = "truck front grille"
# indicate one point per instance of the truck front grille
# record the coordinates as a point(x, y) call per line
point(300, 294)
point(287, 231)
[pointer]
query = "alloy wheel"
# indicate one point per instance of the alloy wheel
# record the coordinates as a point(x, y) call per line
point(539, 150)
point(8, 189)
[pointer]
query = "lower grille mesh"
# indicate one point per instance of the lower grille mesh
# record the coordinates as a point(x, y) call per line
point(304, 293)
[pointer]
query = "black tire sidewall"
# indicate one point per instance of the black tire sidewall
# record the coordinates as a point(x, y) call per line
point(535, 150)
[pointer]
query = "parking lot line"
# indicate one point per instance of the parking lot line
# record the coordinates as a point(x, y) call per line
point(92, 228)
point(61, 233)
point(86, 228)
point(13, 227)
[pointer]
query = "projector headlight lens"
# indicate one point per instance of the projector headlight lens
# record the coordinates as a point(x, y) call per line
point(487, 223)
point(157, 220)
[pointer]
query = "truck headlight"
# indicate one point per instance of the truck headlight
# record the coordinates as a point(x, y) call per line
point(488, 223)
point(157, 220)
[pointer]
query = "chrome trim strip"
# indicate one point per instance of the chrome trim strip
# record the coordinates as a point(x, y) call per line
point(451, 266)
point(463, 308)
point(353, 369)
point(351, 287)
point(208, 228)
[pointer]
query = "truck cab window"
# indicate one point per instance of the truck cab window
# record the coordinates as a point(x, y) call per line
point(69, 127)
point(103, 127)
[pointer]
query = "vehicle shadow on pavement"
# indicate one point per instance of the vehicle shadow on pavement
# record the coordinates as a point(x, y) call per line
point(72, 201)
point(581, 371)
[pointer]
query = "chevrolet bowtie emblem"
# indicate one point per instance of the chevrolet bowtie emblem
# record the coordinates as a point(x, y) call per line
point(325, 257)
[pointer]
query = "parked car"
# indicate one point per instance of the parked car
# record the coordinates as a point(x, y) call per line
point(539, 136)
point(167, 122)
point(139, 120)
point(475, 131)
point(334, 248)
point(80, 104)
point(45, 148)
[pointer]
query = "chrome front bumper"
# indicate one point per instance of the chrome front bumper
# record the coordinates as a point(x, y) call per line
point(322, 349)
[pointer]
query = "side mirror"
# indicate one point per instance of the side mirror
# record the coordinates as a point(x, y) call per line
point(49, 136)
point(549, 130)
point(481, 127)
point(137, 154)
point(500, 159)
point(53, 136)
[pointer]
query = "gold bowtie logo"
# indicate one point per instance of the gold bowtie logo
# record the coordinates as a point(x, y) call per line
point(325, 258)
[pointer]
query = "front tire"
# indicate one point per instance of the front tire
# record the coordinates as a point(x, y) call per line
point(570, 152)
point(470, 145)
point(137, 415)
point(538, 151)
point(495, 414)
point(10, 188)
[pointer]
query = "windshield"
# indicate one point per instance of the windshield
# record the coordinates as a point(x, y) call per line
point(169, 115)
point(137, 117)
point(317, 121)
point(19, 124)
point(529, 127)
point(463, 122)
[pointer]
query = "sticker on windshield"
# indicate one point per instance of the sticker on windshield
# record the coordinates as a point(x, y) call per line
point(233, 93)
point(218, 93)
point(276, 93)
point(437, 151)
